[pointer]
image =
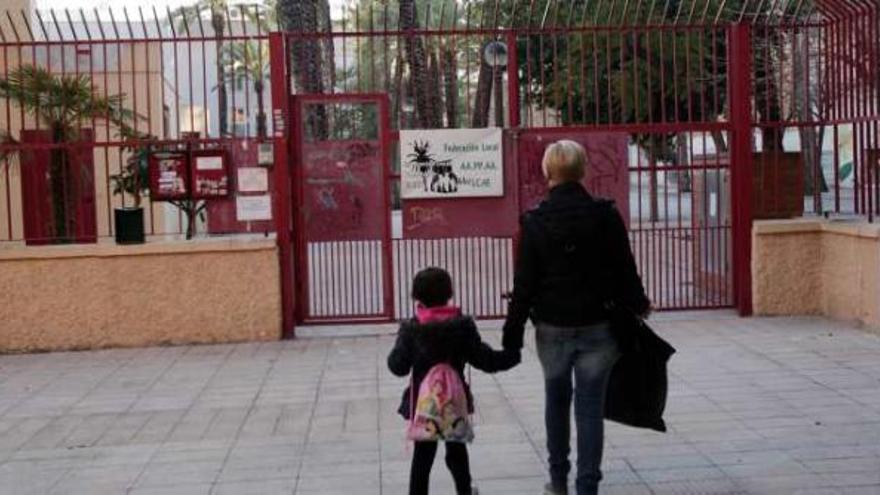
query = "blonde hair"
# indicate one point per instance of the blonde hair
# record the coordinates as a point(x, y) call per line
point(564, 161)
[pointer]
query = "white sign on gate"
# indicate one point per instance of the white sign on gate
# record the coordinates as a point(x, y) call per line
point(451, 163)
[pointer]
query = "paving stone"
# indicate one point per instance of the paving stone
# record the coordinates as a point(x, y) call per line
point(255, 487)
point(697, 487)
point(180, 489)
point(318, 416)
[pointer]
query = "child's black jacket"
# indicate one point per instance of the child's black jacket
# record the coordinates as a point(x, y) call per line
point(455, 341)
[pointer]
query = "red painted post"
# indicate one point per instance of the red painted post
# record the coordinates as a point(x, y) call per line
point(513, 81)
point(513, 107)
point(283, 209)
point(740, 87)
point(387, 256)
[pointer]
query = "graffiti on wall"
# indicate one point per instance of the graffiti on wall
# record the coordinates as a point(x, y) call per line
point(607, 166)
point(343, 190)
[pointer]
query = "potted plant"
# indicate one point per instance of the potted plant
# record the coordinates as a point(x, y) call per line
point(134, 181)
point(59, 164)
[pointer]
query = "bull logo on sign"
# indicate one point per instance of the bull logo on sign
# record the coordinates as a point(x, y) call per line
point(442, 178)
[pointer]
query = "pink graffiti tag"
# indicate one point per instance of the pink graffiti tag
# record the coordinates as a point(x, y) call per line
point(421, 217)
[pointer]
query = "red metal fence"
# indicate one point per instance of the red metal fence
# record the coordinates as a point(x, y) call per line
point(592, 82)
point(144, 81)
point(710, 125)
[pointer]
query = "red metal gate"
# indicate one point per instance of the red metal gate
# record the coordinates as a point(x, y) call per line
point(716, 102)
point(342, 219)
point(678, 212)
point(665, 111)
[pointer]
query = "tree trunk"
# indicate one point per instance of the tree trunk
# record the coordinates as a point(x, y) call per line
point(654, 156)
point(483, 96)
point(720, 142)
point(417, 60)
point(301, 16)
point(804, 104)
point(435, 92)
point(191, 211)
point(450, 81)
point(820, 139)
point(58, 183)
point(218, 22)
point(261, 113)
point(498, 83)
point(329, 50)
point(653, 193)
point(767, 98)
point(811, 152)
point(398, 94)
point(683, 157)
point(190, 222)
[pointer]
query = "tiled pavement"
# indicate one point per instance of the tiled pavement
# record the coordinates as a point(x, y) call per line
point(756, 406)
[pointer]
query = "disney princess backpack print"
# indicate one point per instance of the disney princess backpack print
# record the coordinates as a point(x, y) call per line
point(441, 408)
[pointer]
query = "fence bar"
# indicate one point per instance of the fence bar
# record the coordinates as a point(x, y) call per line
point(740, 56)
point(283, 211)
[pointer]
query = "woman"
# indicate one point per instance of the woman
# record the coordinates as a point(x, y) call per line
point(574, 259)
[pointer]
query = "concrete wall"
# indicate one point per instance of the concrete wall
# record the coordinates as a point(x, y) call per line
point(94, 296)
point(817, 267)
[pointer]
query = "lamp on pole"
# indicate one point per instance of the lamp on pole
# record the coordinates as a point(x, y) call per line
point(495, 55)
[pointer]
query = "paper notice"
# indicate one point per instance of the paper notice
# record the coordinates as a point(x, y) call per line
point(253, 179)
point(252, 208)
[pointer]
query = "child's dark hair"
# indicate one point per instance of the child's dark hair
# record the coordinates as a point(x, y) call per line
point(432, 287)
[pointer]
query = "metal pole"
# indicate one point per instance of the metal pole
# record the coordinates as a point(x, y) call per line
point(282, 179)
point(740, 80)
point(513, 81)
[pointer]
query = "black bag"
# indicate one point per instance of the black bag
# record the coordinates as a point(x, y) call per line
point(638, 384)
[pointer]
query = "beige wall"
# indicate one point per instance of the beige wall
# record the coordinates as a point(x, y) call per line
point(137, 73)
point(15, 8)
point(86, 297)
point(817, 267)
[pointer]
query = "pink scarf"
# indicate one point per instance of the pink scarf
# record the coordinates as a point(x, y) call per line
point(436, 313)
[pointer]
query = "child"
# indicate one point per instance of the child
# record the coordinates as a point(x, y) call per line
point(440, 335)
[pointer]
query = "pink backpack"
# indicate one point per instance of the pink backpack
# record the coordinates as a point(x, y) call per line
point(440, 412)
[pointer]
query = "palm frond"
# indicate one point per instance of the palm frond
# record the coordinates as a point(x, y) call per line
point(263, 15)
point(63, 102)
point(186, 18)
point(248, 61)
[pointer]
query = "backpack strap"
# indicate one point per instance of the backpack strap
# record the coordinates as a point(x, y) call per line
point(412, 400)
point(470, 393)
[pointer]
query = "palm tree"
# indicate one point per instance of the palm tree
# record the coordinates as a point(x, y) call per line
point(418, 64)
point(63, 105)
point(302, 16)
point(250, 62)
point(267, 17)
point(217, 9)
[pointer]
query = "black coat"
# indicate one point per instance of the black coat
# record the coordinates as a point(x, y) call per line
point(455, 341)
point(574, 257)
point(637, 388)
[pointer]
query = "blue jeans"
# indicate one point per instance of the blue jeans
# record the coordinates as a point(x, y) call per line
point(590, 352)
